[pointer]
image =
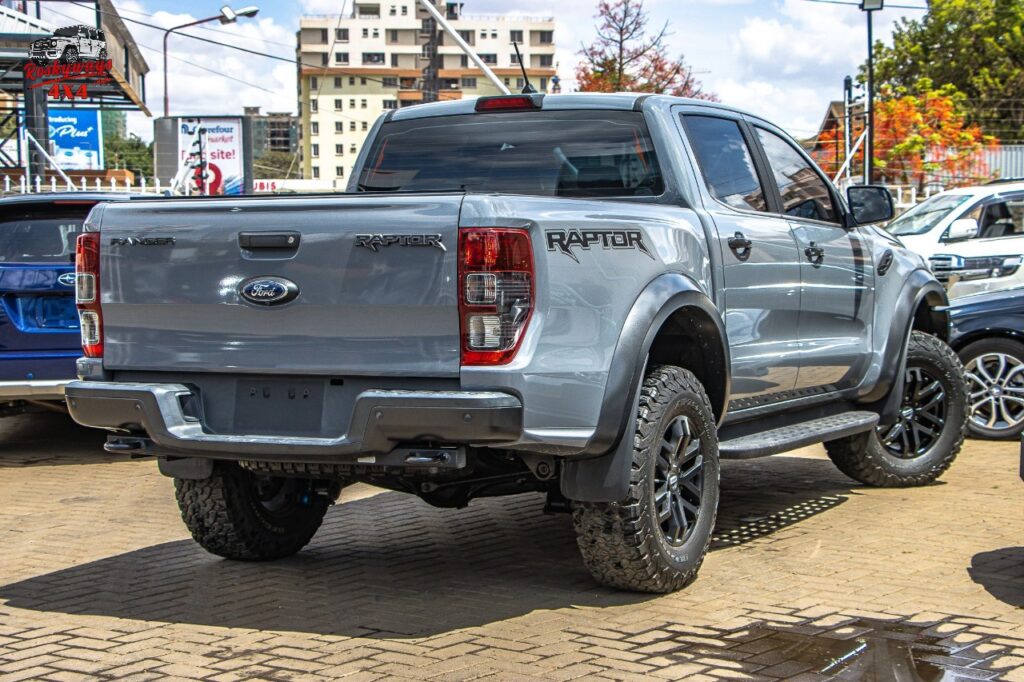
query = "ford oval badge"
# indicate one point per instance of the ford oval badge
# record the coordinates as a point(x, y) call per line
point(268, 290)
point(67, 279)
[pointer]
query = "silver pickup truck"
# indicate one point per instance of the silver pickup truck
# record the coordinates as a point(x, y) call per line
point(591, 296)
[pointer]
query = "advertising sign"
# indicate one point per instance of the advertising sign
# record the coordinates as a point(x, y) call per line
point(215, 148)
point(68, 62)
point(77, 136)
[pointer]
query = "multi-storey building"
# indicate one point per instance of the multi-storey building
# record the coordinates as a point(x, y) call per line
point(274, 131)
point(391, 53)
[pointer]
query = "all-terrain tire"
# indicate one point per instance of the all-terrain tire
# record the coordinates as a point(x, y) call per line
point(624, 544)
point(103, 55)
point(238, 514)
point(1010, 384)
point(865, 458)
point(70, 55)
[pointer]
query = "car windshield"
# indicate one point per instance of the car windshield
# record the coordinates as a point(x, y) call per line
point(39, 239)
point(927, 214)
point(545, 153)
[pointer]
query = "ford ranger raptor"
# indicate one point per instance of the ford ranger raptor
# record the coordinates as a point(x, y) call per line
point(596, 297)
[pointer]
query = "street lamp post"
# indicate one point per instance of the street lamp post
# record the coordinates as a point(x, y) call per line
point(226, 16)
point(870, 7)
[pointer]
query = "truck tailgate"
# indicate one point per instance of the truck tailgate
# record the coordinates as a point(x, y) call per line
point(387, 306)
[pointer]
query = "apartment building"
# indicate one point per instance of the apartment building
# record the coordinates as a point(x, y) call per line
point(391, 54)
point(274, 131)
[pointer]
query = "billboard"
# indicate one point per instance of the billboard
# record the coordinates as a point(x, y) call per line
point(77, 137)
point(214, 146)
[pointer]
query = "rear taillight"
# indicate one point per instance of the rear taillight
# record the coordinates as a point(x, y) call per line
point(495, 293)
point(87, 293)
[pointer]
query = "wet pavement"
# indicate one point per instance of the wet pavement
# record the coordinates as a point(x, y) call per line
point(810, 577)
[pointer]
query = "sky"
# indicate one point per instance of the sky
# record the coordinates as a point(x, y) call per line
point(782, 59)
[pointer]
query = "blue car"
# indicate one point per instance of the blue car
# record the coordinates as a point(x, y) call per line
point(988, 334)
point(39, 337)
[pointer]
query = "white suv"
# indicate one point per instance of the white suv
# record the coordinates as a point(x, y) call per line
point(973, 236)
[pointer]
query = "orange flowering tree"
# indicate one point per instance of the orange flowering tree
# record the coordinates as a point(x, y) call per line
point(625, 58)
point(920, 137)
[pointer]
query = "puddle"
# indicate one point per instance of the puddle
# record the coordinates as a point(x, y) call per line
point(858, 649)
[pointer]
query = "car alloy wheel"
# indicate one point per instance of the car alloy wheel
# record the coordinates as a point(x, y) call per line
point(996, 384)
point(678, 481)
point(921, 417)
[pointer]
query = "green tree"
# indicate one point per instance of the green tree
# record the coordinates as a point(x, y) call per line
point(975, 45)
point(275, 165)
point(130, 153)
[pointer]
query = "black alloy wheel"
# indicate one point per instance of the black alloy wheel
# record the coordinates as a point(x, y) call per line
point(922, 415)
point(678, 481)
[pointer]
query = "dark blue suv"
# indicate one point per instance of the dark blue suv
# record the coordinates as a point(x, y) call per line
point(39, 337)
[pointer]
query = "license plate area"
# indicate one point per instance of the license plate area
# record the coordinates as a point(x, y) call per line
point(279, 407)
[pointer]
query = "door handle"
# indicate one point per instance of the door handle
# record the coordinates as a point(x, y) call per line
point(740, 245)
point(815, 254)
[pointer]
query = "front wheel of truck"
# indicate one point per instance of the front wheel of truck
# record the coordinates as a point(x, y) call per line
point(239, 514)
point(929, 431)
point(655, 539)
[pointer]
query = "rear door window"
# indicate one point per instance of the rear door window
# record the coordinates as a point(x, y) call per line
point(1002, 217)
point(42, 238)
point(726, 162)
point(603, 154)
point(803, 191)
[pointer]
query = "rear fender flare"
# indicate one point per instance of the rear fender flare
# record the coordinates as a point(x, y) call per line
point(604, 475)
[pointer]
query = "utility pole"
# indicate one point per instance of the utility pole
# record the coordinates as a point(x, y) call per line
point(870, 7)
point(847, 121)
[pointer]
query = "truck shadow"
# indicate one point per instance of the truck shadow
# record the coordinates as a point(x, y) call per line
point(1001, 573)
point(390, 566)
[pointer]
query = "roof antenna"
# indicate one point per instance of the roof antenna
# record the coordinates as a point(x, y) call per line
point(529, 89)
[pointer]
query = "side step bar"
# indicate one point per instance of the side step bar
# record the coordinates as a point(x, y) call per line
point(795, 436)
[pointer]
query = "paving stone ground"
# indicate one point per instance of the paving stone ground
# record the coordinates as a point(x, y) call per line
point(811, 576)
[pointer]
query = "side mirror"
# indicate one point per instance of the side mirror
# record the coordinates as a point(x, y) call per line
point(870, 204)
point(964, 228)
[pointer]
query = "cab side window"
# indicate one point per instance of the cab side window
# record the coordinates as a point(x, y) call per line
point(803, 191)
point(726, 162)
point(1002, 218)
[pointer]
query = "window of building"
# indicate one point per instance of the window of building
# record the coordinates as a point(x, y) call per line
point(324, 58)
point(352, 104)
point(514, 59)
point(339, 127)
point(464, 61)
point(520, 84)
point(313, 106)
point(339, 171)
point(516, 36)
point(373, 58)
point(337, 81)
point(545, 37)
point(376, 33)
point(339, 150)
point(352, 125)
point(394, 61)
point(803, 190)
point(351, 80)
point(352, 149)
point(393, 11)
point(494, 34)
point(489, 58)
point(341, 35)
point(428, 50)
point(392, 35)
point(483, 35)
point(547, 60)
point(390, 82)
point(341, 57)
point(726, 162)
point(316, 172)
point(323, 36)
point(314, 149)
point(314, 128)
point(405, 10)
point(313, 83)
point(362, 104)
point(468, 36)
point(366, 126)
point(391, 104)
point(543, 84)
point(508, 82)
point(468, 82)
point(366, 33)
point(362, 81)
point(338, 105)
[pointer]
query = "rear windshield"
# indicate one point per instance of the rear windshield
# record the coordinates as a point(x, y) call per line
point(47, 238)
point(545, 153)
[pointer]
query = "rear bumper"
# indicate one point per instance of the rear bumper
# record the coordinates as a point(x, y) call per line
point(381, 419)
point(43, 389)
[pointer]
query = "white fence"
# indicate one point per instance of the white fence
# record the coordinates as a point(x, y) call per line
point(38, 185)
